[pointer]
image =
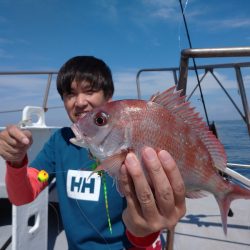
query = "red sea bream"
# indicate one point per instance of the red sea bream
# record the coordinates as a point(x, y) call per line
point(167, 122)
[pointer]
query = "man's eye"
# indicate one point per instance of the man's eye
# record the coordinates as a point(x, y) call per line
point(101, 119)
point(90, 92)
point(69, 95)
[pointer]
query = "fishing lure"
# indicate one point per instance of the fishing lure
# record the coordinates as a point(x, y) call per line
point(43, 176)
point(101, 173)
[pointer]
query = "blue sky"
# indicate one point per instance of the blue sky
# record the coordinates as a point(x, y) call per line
point(129, 35)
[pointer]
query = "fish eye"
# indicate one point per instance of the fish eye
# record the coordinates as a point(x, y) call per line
point(101, 119)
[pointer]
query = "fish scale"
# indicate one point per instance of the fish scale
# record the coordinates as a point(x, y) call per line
point(167, 122)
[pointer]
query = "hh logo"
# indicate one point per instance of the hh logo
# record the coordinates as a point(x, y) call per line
point(82, 187)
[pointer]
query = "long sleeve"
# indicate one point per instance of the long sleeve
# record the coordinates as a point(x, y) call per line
point(150, 242)
point(22, 183)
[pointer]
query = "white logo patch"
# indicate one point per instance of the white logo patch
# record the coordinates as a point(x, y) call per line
point(82, 187)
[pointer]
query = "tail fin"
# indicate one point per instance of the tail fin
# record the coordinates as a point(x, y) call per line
point(237, 192)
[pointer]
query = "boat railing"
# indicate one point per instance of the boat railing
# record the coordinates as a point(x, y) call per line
point(186, 54)
point(183, 70)
point(181, 83)
point(49, 75)
point(229, 170)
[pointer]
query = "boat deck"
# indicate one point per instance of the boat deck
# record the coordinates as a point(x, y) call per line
point(201, 227)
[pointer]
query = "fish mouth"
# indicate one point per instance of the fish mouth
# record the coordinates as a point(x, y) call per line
point(76, 131)
point(80, 138)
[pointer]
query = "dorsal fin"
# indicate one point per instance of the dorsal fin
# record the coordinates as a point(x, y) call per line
point(169, 98)
point(178, 106)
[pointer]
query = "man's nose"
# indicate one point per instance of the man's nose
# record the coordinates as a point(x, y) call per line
point(81, 100)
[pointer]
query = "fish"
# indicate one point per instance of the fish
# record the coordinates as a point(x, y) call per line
point(167, 121)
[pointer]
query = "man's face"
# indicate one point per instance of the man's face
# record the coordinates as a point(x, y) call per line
point(79, 101)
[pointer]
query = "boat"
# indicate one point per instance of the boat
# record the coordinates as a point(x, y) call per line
point(38, 225)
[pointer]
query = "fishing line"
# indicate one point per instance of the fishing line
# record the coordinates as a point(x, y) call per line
point(92, 225)
point(82, 168)
point(194, 63)
point(179, 26)
point(103, 179)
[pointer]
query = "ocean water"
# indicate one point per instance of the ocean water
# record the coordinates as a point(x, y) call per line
point(234, 136)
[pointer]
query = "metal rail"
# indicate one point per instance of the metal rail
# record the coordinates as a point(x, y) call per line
point(181, 83)
point(235, 165)
point(206, 53)
point(46, 94)
point(175, 70)
point(183, 69)
point(216, 52)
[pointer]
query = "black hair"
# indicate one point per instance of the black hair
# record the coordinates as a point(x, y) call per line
point(87, 69)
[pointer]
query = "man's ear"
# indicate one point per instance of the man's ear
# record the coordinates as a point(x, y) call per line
point(110, 99)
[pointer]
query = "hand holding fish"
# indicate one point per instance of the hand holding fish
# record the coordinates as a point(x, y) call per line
point(155, 204)
point(14, 144)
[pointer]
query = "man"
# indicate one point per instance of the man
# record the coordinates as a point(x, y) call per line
point(85, 82)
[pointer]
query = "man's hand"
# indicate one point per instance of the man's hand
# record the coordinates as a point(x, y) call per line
point(155, 197)
point(14, 144)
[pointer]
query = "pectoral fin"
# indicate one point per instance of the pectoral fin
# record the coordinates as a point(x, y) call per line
point(113, 163)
